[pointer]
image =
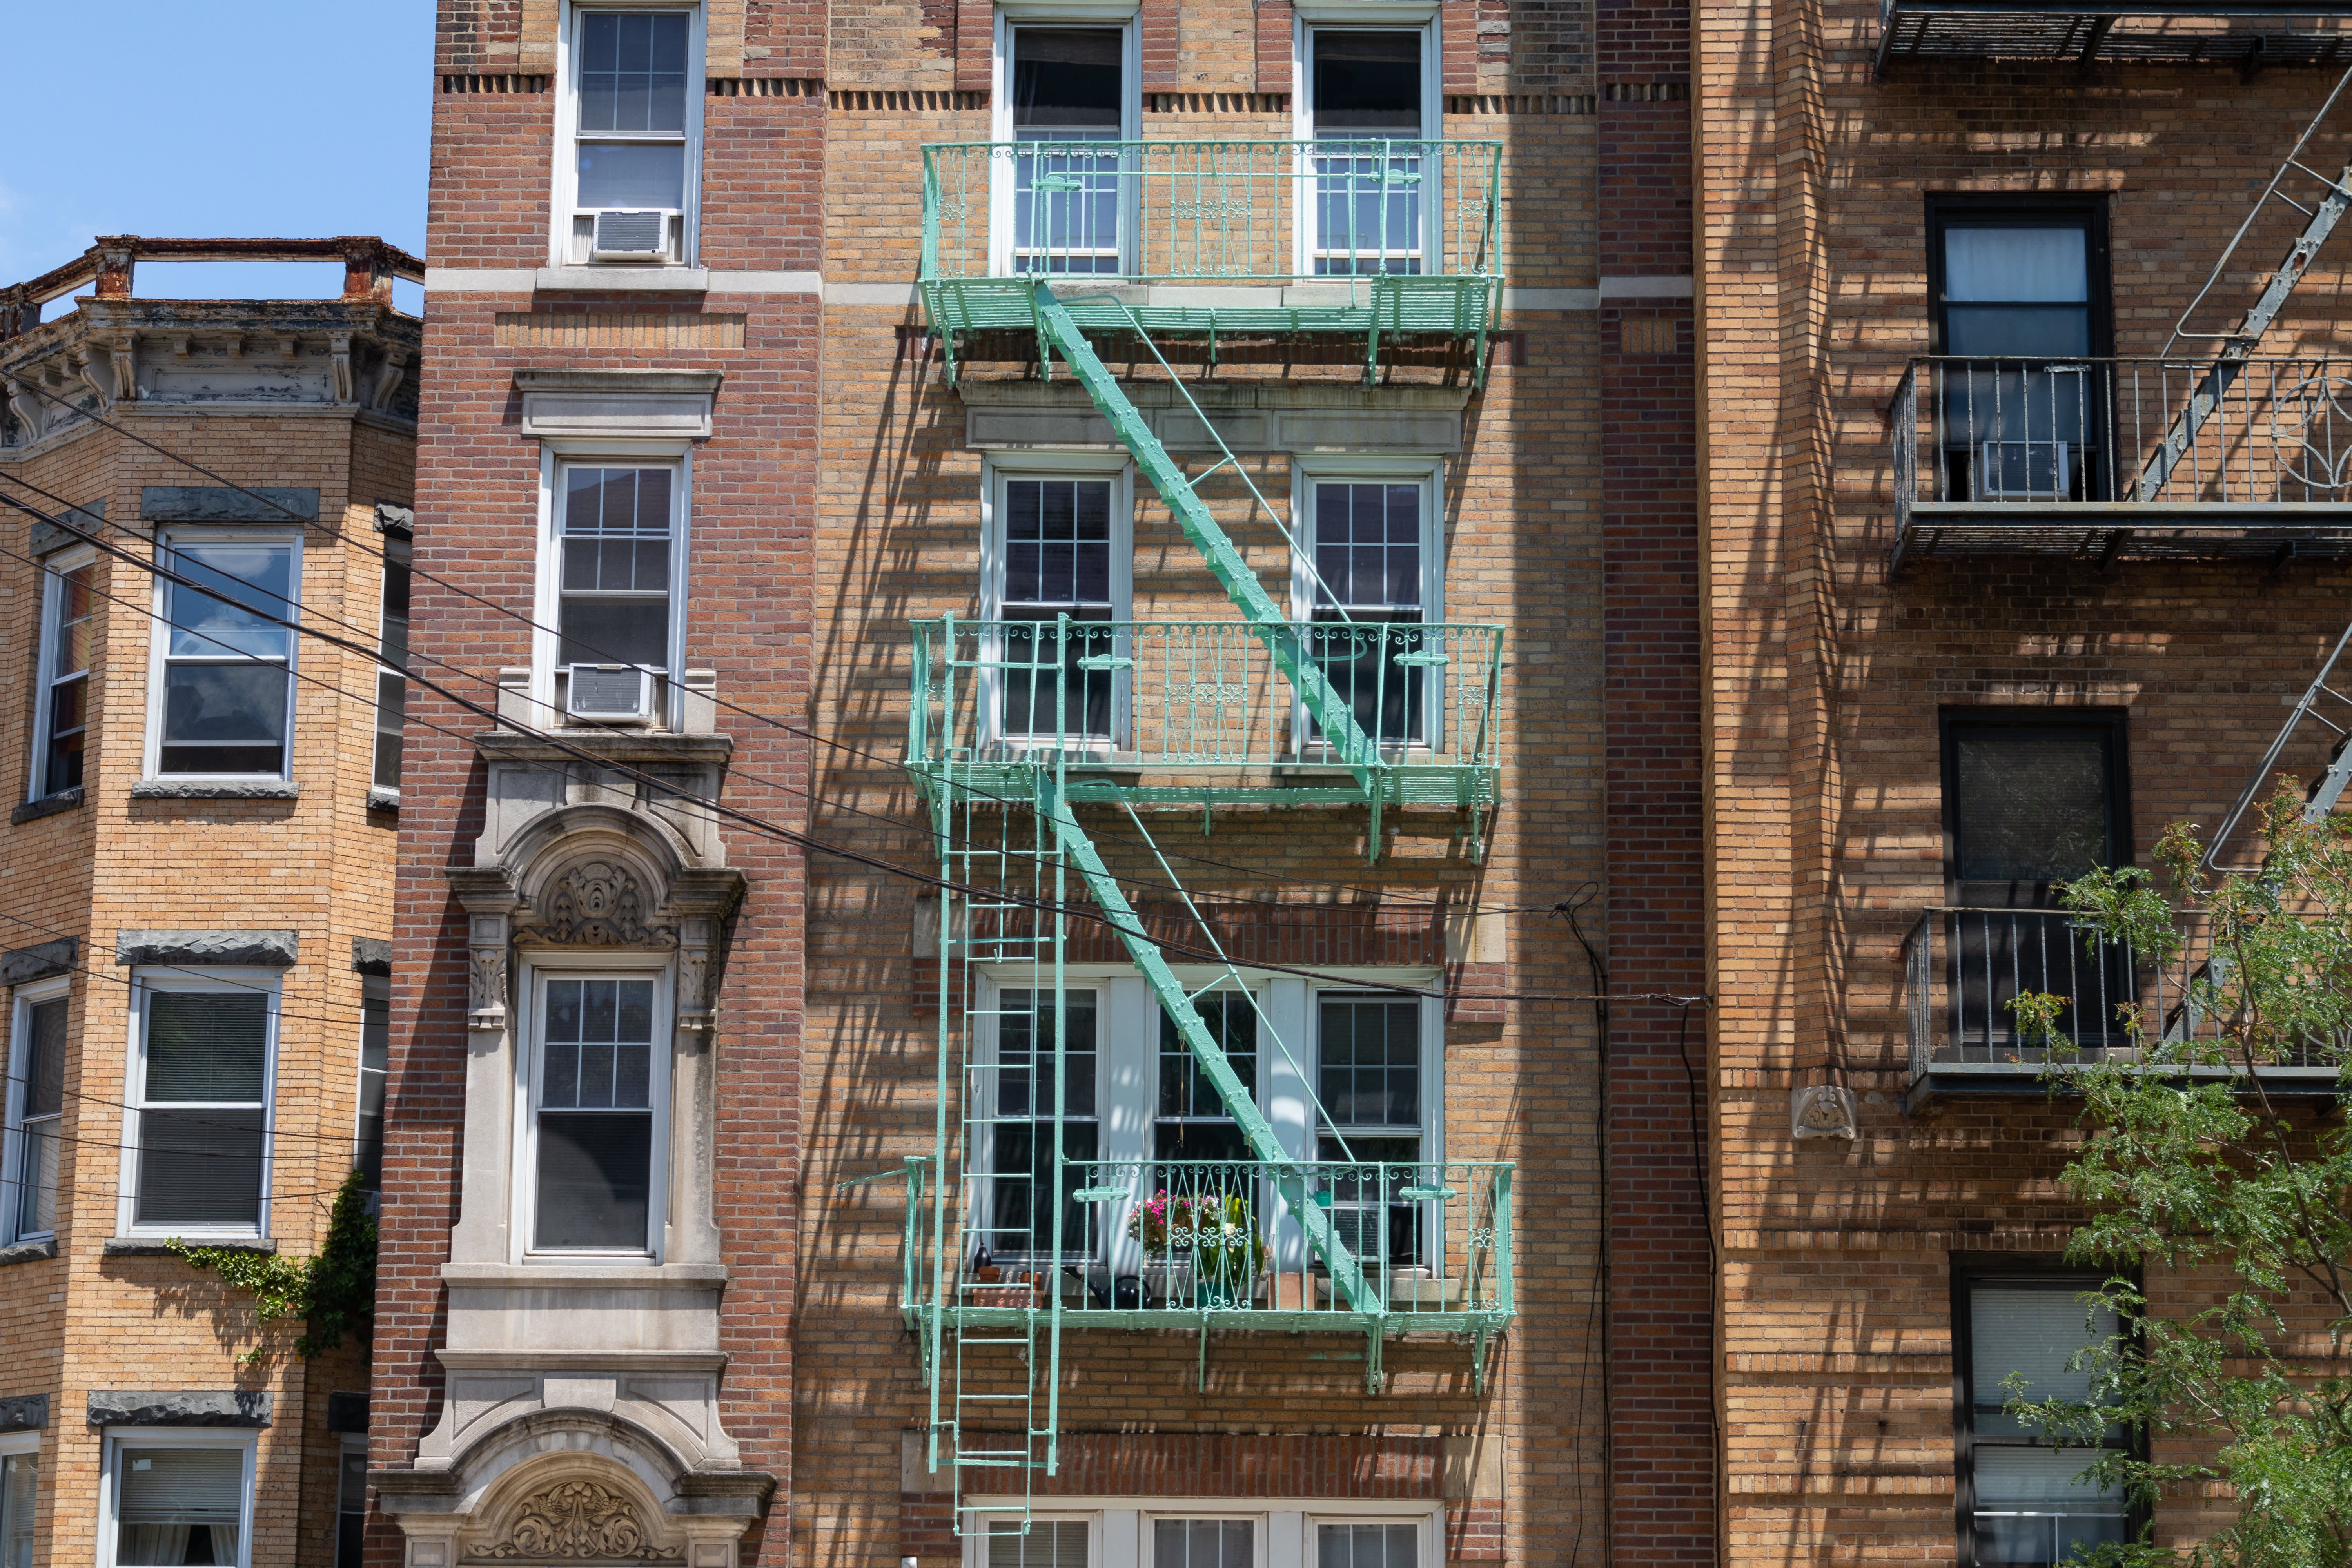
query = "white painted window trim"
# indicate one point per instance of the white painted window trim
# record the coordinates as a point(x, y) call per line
point(1011, 14)
point(12, 1126)
point(119, 1438)
point(53, 587)
point(563, 197)
point(538, 967)
point(269, 981)
point(989, 988)
point(14, 1446)
point(995, 469)
point(555, 454)
point(1307, 470)
point(159, 647)
point(404, 551)
point(359, 1077)
point(1119, 1528)
point(1308, 16)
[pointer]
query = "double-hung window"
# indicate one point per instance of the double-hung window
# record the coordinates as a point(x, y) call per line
point(36, 1097)
point(617, 535)
point(201, 1096)
point(2031, 800)
point(1369, 1079)
point(1057, 572)
point(600, 1110)
point(1204, 1543)
point(1368, 106)
point(20, 1496)
point(1192, 1121)
point(1366, 579)
point(2021, 1502)
point(2019, 299)
point(390, 683)
point(636, 112)
point(350, 1504)
point(62, 719)
point(1068, 104)
point(1019, 1106)
point(178, 1499)
point(1352, 1543)
point(224, 663)
point(375, 1061)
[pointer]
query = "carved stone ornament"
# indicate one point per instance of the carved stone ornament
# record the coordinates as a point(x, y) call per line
point(1822, 1110)
point(599, 903)
point(487, 983)
point(577, 1521)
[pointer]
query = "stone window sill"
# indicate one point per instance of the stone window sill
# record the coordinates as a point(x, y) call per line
point(34, 810)
point(28, 1251)
point(630, 276)
point(215, 789)
point(384, 800)
point(153, 1246)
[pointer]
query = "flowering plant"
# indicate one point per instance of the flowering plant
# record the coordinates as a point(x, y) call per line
point(1219, 1232)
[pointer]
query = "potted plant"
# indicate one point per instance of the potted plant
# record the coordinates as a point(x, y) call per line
point(1227, 1252)
point(1163, 1224)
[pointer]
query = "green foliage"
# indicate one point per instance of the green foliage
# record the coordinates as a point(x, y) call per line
point(2241, 1378)
point(332, 1294)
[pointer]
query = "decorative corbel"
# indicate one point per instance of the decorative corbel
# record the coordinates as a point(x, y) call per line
point(95, 375)
point(384, 385)
point(26, 405)
point(697, 973)
point(123, 350)
point(339, 362)
point(486, 973)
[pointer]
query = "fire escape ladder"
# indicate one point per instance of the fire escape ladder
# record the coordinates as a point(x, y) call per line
point(2324, 791)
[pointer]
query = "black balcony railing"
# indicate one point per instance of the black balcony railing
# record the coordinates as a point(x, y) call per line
point(2093, 459)
point(1916, 36)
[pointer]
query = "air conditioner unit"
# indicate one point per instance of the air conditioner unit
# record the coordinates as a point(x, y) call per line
point(631, 234)
point(609, 691)
point(2024, 471)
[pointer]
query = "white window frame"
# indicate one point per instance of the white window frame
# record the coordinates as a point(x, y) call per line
point(620, 964)
point(360, 1104)
point(159, 647)
point(119, 1438)
point(352, 1442)
point(1431, 1021)
point(135, 1094)
point(1309, 17)
point(555, 456)
point(15, 1445)
point(402, 551)
point(1306, 471)
point(53, 589)
point(1146, 1536)
point(563, 202)
point(995, 469)
point(1013, 14)
point(59, 988)
point(1119, 1534)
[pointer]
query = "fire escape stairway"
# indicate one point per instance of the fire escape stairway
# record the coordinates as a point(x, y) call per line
point(1016, 1428)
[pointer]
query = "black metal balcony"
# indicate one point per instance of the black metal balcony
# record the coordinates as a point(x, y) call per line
point(2091, 459)
point(1962, 968)
point(1916, 36)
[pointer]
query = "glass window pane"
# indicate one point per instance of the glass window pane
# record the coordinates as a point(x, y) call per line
point(1067, 78)
point(632, 175)
point(1367, 1546)
point(1367, 81)
point(2012, 264)
point(2034, 804)
point(37, 1211)
point(1047, 1544)
point(200, 1167)
point(350, 1520)
point(19, 1492)
point(611, 630)
point(224, 719)
point(43, 1064)
point(1369, 1061)
point(178, 1506)
point(247, 583)
point(206, 1046)
point(595, 1179)
point(375, 1058)
point(1202, 1543)
point(1184, 1089)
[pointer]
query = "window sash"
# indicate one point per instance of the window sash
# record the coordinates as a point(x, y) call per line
point(585, 131)
point(20, 1479)
point(2027, 1507)
point(375, 1062)
point(163, 1492)
point(597, 569)
point(69, 624)
point(596, 1175)
point(391, 681)
point(201, 1148)
point(200, 651)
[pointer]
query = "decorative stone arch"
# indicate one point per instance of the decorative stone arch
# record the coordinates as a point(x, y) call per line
point(573, 1487)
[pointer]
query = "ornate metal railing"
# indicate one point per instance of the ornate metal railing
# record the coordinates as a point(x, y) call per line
point(1197, 694)
point(1220, 211)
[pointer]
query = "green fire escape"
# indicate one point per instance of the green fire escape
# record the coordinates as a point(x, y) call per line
point(1030, 740)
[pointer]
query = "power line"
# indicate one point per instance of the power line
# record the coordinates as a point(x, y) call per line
point(767, 719)
point(801, 840)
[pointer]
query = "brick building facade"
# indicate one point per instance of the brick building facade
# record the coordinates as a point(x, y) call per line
point(194, 886)
point(693, 262)
point(1894, 647)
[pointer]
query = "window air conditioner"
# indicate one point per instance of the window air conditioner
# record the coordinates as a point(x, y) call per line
point(609, 691)
point(2024, 470)
point(631, 234)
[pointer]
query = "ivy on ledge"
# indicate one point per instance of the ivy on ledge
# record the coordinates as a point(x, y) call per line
point(332, 1293)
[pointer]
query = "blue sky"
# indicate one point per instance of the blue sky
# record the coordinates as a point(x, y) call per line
point(215, 118)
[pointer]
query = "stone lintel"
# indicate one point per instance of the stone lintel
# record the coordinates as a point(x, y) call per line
point(179, 1407)
point(23, 965)
point(239, 949)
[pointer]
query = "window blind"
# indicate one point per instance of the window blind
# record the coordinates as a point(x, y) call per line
point(1050, 1543)
point(2032, 1329)
point(181, 1485)
point(20, 1477)
point(206, 1046)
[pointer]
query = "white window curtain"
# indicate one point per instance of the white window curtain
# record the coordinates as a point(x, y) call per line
point(20, 1479)
point(2016, 265)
